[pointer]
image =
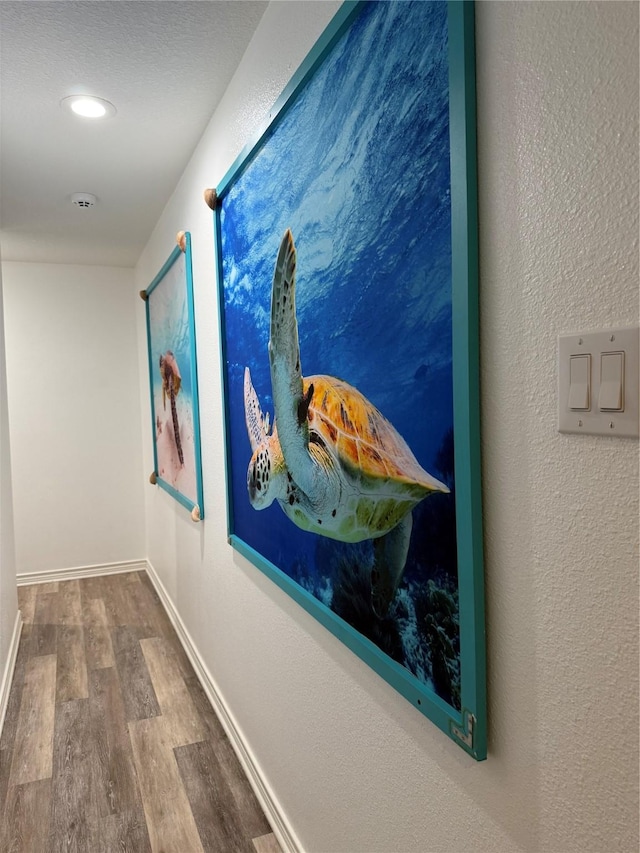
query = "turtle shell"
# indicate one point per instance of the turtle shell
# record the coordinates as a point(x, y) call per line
point(363, 440)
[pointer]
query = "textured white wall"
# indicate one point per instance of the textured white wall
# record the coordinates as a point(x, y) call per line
point(74, 415)
point(354, 767)
point(8, 597)
point(558, 157)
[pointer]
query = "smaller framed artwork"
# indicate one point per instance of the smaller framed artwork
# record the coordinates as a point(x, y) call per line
point(171, 343)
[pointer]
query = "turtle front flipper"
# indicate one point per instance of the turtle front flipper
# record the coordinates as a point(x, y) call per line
point(257, 424)
point(389, 558)
point(290, 403)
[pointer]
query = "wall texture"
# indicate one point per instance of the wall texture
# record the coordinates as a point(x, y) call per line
point(8, 597)
point(558, 143)
point(352, 765)
point(74, 415)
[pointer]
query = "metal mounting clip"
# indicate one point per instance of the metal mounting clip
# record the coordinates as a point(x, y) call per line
point(464, 734)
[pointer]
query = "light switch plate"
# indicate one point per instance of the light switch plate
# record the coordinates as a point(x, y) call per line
point(596, 419)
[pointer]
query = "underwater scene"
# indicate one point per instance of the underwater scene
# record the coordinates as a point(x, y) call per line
point(170, 354)
point(341, 453)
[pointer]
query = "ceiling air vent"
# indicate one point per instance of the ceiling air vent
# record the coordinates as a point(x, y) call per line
point(84, 200)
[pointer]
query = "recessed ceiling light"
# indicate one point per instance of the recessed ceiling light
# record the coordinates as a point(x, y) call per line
point(88, 106)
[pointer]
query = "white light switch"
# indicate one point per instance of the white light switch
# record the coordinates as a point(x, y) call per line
point(579, 382)
point(599, 383)
point(611, 397)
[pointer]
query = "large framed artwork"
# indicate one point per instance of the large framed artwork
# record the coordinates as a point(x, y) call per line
point(173, 379)
point(347, 267)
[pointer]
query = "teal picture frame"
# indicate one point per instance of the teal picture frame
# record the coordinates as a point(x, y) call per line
point(173, 380)
point(463, 718)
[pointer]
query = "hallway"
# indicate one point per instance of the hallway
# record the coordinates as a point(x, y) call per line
point(109, 742)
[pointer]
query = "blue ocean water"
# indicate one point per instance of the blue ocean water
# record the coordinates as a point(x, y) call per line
point(359, 170)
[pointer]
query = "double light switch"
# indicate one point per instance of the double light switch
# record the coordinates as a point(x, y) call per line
point(598, 383)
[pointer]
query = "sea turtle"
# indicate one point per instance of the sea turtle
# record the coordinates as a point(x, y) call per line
point(333, 461)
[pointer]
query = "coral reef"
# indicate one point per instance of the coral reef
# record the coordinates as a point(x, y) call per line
point(352, 600)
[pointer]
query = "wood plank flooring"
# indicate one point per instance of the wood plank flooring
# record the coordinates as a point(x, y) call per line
point(109, 743)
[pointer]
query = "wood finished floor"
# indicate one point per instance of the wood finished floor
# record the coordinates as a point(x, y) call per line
point(109, 742)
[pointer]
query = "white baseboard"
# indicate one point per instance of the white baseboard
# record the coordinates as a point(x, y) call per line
point(7, 675)
point(280, 825)
point(51, 575)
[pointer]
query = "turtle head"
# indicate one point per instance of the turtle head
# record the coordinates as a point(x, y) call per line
point(266, 477)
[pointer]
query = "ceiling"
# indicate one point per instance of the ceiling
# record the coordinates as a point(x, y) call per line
point(163, 64)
